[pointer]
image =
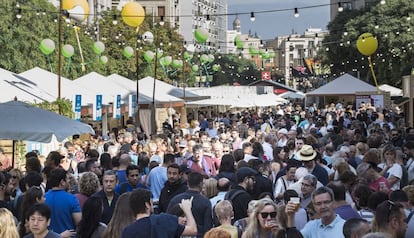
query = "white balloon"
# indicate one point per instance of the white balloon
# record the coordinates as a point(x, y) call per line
point(148, 37)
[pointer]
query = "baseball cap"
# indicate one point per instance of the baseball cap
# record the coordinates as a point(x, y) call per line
point(244, 172)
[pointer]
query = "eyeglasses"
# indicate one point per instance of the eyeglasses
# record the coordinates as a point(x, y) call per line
point(226, 151)
point(266, 214)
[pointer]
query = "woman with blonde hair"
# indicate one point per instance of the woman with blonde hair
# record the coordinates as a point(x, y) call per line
point(265, 222)
point(391, 170)
point(8, 227)
point(122, 217)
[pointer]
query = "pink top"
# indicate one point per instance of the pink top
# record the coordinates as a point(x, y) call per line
point(375, 185)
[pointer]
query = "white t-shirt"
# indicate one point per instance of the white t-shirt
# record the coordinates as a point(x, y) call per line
point(282, 185)
point(395, 171)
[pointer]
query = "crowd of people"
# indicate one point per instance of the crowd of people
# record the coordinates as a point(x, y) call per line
point(288, 171)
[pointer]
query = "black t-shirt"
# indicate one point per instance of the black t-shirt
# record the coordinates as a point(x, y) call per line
point(165, 227)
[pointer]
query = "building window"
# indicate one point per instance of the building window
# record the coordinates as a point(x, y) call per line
point(161, 11)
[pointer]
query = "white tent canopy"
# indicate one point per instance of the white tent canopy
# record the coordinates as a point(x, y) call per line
point(344, 85)
point(394, 91)
point(240, 96)
point(146, 86)
point(49, 82)
point(99, 84)
point(13, 86)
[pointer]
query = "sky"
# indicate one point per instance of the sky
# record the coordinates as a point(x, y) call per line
point(273, 24)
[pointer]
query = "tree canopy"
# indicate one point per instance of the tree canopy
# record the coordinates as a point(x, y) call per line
point(391, 23)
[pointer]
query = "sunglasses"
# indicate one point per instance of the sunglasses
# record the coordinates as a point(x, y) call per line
point(267, 214)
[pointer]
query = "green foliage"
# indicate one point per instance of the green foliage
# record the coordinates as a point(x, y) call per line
point(394, 57)
point(20, 39)
point(60, 106)
point(235, 69)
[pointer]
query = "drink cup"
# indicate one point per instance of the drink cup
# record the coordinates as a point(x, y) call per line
point(271, 224)
point(296, 201)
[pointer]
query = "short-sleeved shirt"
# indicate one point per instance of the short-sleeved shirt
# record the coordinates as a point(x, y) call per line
point(63, 205)
point(144, 228)
point(315, 229)
point(395, 171)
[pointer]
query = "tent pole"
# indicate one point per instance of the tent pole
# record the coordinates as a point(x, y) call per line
point(13, 152)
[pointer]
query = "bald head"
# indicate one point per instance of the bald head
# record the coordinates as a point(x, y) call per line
point(223, 184)
point(125, 160)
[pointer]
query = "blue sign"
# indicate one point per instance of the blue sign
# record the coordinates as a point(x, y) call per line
point(78, 107)
point(117, 107)
point(98, 108)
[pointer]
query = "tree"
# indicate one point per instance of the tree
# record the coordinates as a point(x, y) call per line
point(392, 27)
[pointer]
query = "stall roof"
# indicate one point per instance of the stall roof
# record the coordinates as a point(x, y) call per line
point(343, 85)
point(13, 86)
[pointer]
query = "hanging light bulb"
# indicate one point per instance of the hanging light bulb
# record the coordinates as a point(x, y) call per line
point(114, 19)
point(19, 13)
point(161, 20)
point(296, 14)
point(252, 18)
point(382, 2)
point(340, 8)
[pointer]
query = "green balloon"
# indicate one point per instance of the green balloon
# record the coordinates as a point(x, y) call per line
point(165, 61)
point(216, 67)
point(160, 53)
point(194, 68)
point(68, 51)
point(47, 46)
point(210, 58)
point(177, 63)
point(239, 43)
point(262, 51)
point(253, 51)
point(98, 47)
point(204, 58)
point(201, 35)
point(128, 52)
point(103, 59)
point(187, 56)
point(149, 56)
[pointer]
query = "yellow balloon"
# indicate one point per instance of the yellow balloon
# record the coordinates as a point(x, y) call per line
point(367, 44)
point(133, 14)
point(70, 4)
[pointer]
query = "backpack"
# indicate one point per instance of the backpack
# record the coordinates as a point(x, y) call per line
point(226, 197)
point(404, 177)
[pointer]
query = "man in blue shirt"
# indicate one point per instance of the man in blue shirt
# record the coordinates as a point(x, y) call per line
point(66, 212)
point(133, 180)
point(328, 225)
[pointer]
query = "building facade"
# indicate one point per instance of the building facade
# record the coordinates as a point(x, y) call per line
point(292, 50)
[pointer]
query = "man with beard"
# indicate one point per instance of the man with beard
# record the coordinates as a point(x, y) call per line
point(390, 218)
point(173, 186)
point(239, 196)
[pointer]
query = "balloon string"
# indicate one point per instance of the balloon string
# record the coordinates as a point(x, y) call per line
point(80, 48)
point(68, 65)
point(371, 66)
point(50, 64)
